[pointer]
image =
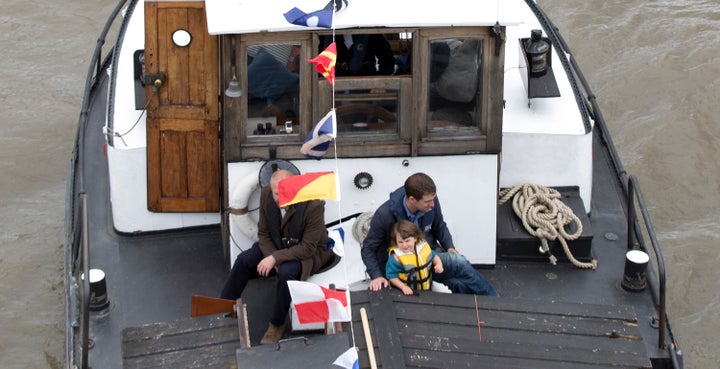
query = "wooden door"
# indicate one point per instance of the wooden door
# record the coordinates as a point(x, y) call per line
point(182, 121)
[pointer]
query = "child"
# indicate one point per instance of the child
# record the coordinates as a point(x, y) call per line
point(409, 262)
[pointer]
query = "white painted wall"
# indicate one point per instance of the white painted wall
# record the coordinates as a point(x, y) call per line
point(467, 189)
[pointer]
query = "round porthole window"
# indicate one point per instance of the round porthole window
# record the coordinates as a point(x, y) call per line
point(181, 38)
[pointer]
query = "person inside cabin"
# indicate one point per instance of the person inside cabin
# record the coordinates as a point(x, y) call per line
point(417, 202)
point(412, 261)
point(362, 55)
point(273, 79)
point(291, 245)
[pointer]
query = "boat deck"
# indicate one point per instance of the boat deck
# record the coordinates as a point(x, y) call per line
point(151, 277)
point(432, 330)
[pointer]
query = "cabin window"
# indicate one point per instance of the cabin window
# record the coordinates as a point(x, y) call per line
point(454, 86)
point(372, 92)
point(428, 91)
point(362, 110)
point(368, 106)
point(273, 86)
point(373, 54)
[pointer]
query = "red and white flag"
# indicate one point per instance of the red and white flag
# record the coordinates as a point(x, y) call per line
point(317, 304)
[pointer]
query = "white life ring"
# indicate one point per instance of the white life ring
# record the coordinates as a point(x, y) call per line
point(239, 213)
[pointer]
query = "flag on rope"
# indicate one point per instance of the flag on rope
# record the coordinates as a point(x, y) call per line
point(319, 18)
point(317, 304)
point(348, 359)
point(305, 187)
point(336, 241)
point(325, 62)
point(318, 140)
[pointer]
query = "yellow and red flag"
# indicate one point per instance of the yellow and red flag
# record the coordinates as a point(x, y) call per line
point(305, 187)
point(325, 63)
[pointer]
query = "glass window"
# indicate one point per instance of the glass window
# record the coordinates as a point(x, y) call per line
point(374, 54)
point(273, 78)
point(365, 110)
point(454, 101)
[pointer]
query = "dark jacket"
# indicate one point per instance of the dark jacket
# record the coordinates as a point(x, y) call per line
point(310, 249)
point(359, 60)
point(377, 242)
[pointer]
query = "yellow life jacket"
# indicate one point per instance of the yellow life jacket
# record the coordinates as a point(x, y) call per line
point(416, 264)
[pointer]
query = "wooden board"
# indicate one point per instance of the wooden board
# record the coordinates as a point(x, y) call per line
point(203, 342)
point(432, 330)
point(441, 331)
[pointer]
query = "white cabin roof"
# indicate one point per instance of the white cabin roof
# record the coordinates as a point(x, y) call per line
point(248, 16)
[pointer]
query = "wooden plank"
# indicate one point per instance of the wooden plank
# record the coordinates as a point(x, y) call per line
point(523, 305)
point(221, 356)
point(386, 329)
point(550, 323)
point(205, 305)
point(204, 342)
point(435, 359)
point(174, 328)
point(177, 336)
point(523, 344)
point(441, 330)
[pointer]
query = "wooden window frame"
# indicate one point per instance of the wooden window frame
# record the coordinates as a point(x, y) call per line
point(277, 145)
point(412, 137)
point(489, 138)
point(369, 144)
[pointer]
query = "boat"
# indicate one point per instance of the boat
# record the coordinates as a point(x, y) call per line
point(193, 104)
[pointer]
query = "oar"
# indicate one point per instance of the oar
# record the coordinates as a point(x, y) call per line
point(205, 305)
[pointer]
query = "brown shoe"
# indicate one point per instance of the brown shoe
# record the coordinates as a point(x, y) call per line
point(273, 334)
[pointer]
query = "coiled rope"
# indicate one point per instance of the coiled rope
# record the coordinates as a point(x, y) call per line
point(545, 216)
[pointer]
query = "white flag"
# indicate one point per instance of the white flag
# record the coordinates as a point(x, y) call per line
point(348, 359)
point(336, 241)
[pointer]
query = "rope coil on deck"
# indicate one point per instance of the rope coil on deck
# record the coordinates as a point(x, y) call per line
point(545, 216)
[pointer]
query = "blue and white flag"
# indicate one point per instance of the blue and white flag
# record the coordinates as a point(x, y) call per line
point(336, 241)
point(348, 359)
point(318, 140)
point(319, 18)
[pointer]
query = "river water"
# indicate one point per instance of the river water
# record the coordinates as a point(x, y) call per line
point(654, 66)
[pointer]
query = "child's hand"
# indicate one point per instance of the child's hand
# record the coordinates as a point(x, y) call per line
point(407, 290)
point(438, 268)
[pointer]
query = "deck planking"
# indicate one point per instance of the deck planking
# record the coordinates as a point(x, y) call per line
point(442, 331)
point(202, 342)
point(431, 330)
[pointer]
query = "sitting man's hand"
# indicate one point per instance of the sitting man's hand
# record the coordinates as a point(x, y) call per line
point(378, 283)
point(266, 265)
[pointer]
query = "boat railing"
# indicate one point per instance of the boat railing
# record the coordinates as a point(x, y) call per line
point(657, 284)
point(84, 267)
point(76, 228)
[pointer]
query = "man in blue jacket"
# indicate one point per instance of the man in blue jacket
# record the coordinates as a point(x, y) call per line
point(417, 202)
